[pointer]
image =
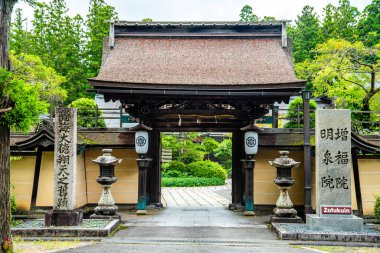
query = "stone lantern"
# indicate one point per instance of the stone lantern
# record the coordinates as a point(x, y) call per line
point(106, 206)
point(284, 211)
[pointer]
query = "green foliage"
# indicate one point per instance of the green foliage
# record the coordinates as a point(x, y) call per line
point(147, 20)
point(369, 24)
point(207, 169)
point(26, 105)
point(246, 14)
point(46, 80)
point(18, 40)
point(305, 34)
point(184, 148)
point(173, 173)
point(58, 39)
point(224, 154)
point(292, 113)
point(346, 71)
point(175, 165)
point(377, 207)
point(87, 112)
point(98, 28)
point(191, 182)
point(209, 145)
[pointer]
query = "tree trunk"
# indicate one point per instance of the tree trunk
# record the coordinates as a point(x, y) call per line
point(4, 185)
point(6, 7)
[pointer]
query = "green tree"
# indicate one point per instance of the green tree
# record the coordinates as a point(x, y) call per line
point(46, 81)
point(292, 113)
point(58, 39)
point(247, 15)
point(346, 71)
point(340, 21)
point(98, 27)
point(209, 146)
point(87, 109)
point(6, 107)
point(305, 34)
point(147, 20)
point(329, 28)
point(369, 24)
point(18, 34)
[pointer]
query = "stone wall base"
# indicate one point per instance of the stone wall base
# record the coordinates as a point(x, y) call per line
point(63, 218)
point(317, 223)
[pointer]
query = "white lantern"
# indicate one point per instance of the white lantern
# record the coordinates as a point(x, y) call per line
point(141, 142)
point(251, 142)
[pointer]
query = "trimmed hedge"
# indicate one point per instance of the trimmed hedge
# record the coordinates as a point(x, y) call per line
point(377, 207)
point(190, 181)
point(207, 169)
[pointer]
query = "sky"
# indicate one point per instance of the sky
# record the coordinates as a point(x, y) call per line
point(199, 10)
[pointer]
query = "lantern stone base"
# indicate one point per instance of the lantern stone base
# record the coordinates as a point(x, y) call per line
point(105, 217)
point(141, 212)
point(276, 219)
point(285, 212)
point(249, 213)
point(318, 223)
point(63, 218)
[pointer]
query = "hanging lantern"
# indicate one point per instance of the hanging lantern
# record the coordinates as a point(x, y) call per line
point(141, 142)
point(251, 142)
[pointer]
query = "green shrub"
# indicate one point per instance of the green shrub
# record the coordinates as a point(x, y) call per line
point(191, 181)
point(173, 173)
point(192, 155)
point(377, 207)
point(174, 165)
point(207, 169)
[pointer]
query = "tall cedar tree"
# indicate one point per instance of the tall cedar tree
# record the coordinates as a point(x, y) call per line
point(98, 27)
point(247, 15)
point(340, 22)
point(19, 34)
point(369, 24)
point(306, 34)
point(6, 104)
point(58, 39)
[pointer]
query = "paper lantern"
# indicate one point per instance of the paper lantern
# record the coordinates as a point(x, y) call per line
point(251, 142)
point(141, 142)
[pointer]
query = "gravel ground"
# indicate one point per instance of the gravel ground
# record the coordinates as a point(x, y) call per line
point(304, 229)
point(86, 224)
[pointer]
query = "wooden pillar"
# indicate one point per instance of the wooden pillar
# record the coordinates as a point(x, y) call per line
point(237, 172)
point(144, 165)
point(154, 173)
point(249, 165)
point(358, 193)
point(36, 179)
point(307, 151)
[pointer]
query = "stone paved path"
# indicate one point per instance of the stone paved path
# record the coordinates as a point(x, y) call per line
point(196, 196)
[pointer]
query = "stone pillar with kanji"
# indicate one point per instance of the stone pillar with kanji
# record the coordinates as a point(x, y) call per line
point(65, 158)
point(333, 173)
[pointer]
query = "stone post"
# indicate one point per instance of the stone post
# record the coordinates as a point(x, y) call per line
point(333, 173)
point(65, 158)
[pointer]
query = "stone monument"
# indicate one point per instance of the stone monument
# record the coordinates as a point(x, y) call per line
point(65, 158)
point(333, 173)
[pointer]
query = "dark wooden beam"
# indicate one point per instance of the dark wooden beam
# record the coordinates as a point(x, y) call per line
point(358, 192)
point(37, 170)
point(237, 172)
point(154, 172)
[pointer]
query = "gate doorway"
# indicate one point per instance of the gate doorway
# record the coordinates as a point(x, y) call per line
point(196, 169)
